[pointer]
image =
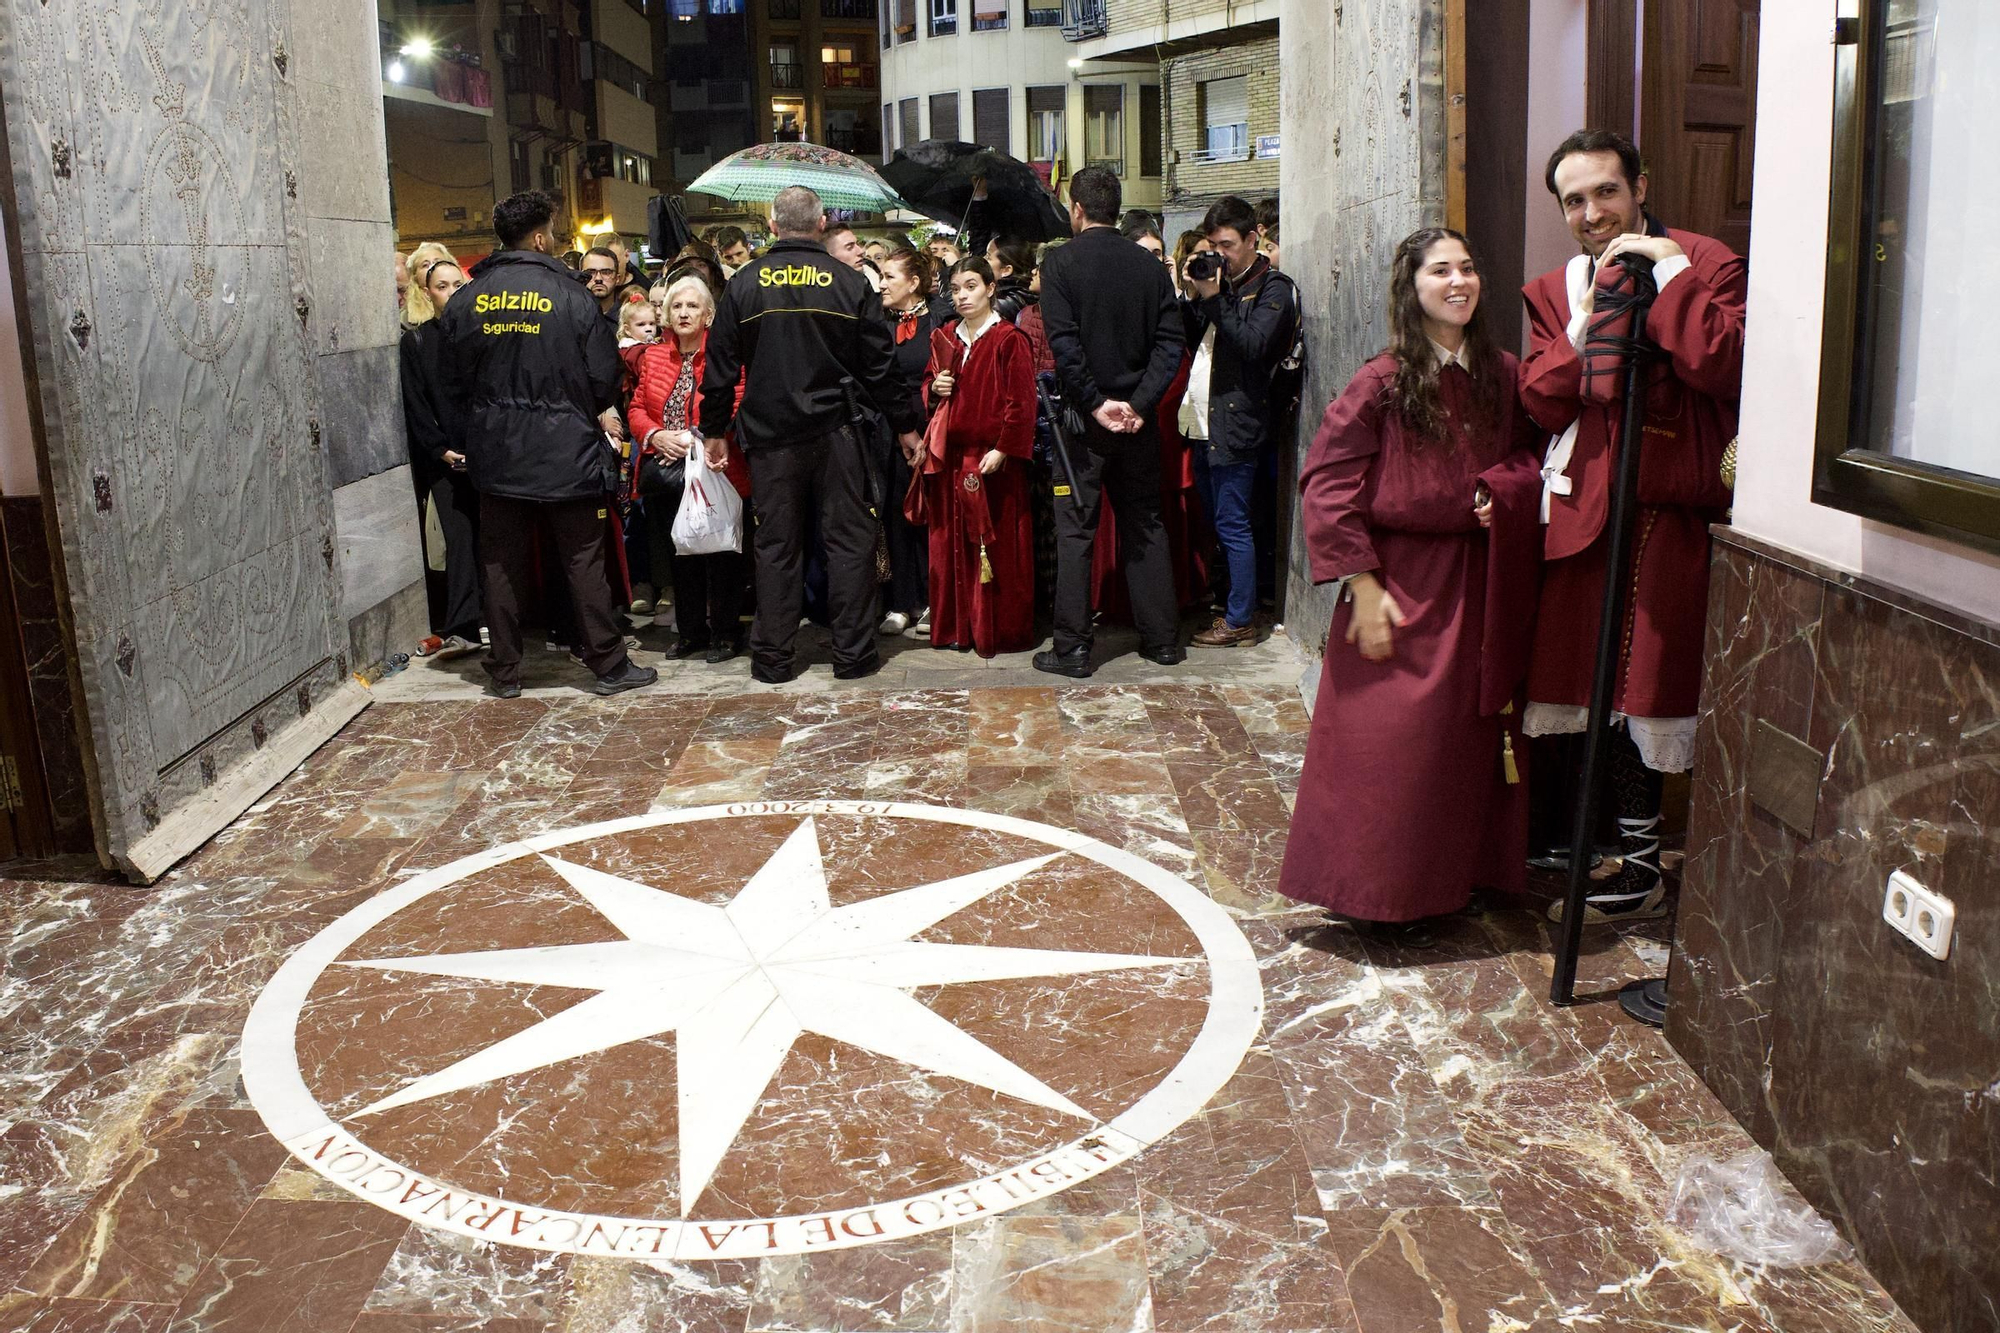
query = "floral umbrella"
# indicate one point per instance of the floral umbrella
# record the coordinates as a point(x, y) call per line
point(757, 173)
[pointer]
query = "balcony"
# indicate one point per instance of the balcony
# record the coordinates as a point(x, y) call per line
point(1082, 20)
point(859, 10)
point(849, 76)
point(1043, 14)
point(784, 9)
point(789, 78)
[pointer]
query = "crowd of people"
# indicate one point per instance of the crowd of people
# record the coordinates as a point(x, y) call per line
point(985, 445)
point(914, 457)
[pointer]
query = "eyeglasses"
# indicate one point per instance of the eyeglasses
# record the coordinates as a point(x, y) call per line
point(592, 274)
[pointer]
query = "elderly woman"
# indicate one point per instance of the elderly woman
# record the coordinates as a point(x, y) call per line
point(665, 404)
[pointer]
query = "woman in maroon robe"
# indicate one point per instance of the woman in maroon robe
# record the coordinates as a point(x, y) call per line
point(982, 371)
point(1421, 492)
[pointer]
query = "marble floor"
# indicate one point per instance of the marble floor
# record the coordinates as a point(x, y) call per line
point(959, 1005)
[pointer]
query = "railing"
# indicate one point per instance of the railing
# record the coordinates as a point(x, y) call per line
point(847, 9)
point(849, 76)
point(1049, 17)
point(788, 76)
point(1082, 20)
point(784, 9)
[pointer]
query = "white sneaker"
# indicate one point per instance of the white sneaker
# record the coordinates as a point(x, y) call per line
point(922, 629)
point(642, 599)
point(894, 623)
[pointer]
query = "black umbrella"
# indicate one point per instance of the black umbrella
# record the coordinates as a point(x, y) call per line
point(667, 230)
point(936, 176)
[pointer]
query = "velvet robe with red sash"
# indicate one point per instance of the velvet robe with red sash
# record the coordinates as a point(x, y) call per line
point(1690, 418)
point(992, 406)
point(1414, 790)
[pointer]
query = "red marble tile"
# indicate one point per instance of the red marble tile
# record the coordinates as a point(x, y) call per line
point(147, 1232)
point(25, 1314)
point(1435, 1270)
point(291, 1268)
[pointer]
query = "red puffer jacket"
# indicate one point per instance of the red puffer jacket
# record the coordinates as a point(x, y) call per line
point(658, 367)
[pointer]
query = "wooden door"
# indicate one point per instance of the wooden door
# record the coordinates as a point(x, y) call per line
point(1698, 114)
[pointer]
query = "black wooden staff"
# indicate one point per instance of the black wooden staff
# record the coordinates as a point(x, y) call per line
point(1610, 631)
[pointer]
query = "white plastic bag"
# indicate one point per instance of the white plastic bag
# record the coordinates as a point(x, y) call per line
point(711, 513)
point(1743, 1209)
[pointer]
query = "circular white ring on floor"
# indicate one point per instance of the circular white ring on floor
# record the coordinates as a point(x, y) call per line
point(750, 978)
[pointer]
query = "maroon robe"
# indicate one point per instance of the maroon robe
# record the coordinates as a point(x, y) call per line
point(1405, 805)
point(992, 406)
point(1690, 418)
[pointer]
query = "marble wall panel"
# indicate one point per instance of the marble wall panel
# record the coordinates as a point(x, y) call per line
point(361, 420)
point(391, 626)
point(1867, 1067)
point(354, 284)
point(340, 128)
point(381, 549)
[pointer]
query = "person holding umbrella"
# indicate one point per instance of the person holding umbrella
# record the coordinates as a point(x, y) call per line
point(975, 474)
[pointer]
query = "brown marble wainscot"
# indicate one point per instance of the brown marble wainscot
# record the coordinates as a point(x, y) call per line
point(1870, 1069)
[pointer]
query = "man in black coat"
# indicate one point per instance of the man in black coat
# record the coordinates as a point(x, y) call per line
point(1115, 330)
point(807, 335)
point(534, 370)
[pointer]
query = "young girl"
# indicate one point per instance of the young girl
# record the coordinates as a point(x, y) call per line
point(1422, 491)
point(982, 382)
point(638, 324)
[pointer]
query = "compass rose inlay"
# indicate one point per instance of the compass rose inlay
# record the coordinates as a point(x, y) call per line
point(740, 979)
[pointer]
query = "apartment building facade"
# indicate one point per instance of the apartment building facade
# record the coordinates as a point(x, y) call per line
point(1219, 80)
point(1000, 73)
point(616, 173)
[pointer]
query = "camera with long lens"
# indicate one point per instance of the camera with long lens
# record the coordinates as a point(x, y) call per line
point(1205, 266)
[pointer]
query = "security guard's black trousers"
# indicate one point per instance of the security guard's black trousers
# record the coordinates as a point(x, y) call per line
point(788, 483)
point(581, 537)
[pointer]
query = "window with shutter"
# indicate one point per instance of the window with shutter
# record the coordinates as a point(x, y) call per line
point(989, 119)
point(1046, 137)
point(989, 15)
point(1225, 119)
point(944, 115)
point(907, 131)
point(1104, 126)
point(1152, 135)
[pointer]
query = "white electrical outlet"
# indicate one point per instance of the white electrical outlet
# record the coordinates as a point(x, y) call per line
point(1923, 917)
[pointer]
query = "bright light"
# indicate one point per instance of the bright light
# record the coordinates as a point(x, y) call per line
point(1076, 64)
point(395, 71)
point(418, 48)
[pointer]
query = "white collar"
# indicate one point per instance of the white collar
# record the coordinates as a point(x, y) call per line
point(1445, 356)
point(969, 338)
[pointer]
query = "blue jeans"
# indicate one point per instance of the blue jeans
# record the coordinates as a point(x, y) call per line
point(1225, 489)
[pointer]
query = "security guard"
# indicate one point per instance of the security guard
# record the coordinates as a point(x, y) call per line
point(535, 374)
point(808, 338)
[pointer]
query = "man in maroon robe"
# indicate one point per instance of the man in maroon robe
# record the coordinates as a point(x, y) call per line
point(1690, 418)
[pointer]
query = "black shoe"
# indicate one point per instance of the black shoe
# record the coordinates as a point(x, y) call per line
point(511, 690)
point(632, 677)
point(721, 652)
point(1074, 663)
point(867, 666)
point(687, 648)
point(1171, 654)
point(771, 675)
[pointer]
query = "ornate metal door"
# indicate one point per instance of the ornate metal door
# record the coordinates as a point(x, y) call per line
point(153, 149)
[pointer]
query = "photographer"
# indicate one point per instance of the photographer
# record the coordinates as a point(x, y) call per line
point(1241, 316)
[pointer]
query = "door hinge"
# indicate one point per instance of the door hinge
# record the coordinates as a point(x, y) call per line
point(10, 784)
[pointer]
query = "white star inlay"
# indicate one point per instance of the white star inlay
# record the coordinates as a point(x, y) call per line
point(739, 984)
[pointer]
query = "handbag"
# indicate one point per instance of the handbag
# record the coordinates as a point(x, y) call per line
point(658, 477)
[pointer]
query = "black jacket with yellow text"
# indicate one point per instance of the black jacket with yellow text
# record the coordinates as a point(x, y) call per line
point(530, 364)
point(796, 325)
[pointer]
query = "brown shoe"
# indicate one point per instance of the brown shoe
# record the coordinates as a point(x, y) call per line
point(1224, 635)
